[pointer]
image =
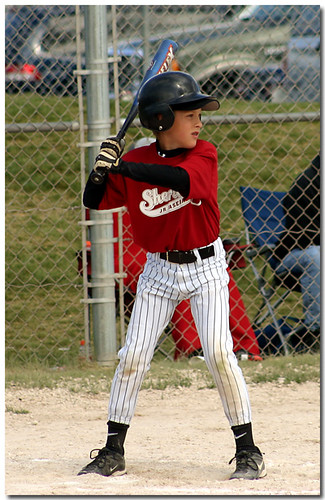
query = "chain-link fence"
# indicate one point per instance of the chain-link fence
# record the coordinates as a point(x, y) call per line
point(262, 62)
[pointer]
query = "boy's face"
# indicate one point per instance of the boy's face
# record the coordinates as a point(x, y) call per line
point(185, 131)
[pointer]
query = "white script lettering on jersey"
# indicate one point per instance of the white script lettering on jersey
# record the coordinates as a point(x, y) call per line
point(156, 204)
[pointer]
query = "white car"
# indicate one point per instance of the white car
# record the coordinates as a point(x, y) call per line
point(302, 67)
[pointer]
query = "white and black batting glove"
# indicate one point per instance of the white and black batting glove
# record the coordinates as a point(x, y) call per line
point(110, 152)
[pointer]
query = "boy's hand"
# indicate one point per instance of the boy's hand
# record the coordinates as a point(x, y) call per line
point(110, 151)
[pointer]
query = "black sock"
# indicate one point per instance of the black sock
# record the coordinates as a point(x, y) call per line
point(244, 438)
point(116, 436)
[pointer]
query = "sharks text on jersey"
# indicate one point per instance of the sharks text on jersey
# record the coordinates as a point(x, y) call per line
point(156, 204)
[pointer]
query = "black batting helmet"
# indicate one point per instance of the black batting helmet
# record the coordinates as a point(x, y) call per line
point(173, 90)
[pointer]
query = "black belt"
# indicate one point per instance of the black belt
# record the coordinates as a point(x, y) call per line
point(188, 257)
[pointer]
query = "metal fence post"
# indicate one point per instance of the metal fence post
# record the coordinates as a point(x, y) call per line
point(101, 223)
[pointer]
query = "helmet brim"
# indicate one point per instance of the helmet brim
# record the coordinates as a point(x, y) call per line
point(205, 102)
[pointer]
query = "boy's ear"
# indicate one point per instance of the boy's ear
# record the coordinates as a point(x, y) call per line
point(157, 117)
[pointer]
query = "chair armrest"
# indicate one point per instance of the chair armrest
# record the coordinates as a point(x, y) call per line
point(235, 253)
point(254, 251)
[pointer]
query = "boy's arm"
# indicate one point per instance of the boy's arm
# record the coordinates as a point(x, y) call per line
point(175, 178)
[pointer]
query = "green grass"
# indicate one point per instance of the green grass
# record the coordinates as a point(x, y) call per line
point(17, 411)
point(92, 378)
point(22, 108)
point(297, 368)
point(44, 317)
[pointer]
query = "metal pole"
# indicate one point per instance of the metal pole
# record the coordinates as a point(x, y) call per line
point(83, 182)
point(101, 223)
point(146, 32)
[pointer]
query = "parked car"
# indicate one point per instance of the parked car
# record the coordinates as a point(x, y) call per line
point(255, 54)
point(40, 53)
point(302, 59)
point(241, 79)
point(28, 65)
point(249, 56)
point(302, 65)
point(265, 15)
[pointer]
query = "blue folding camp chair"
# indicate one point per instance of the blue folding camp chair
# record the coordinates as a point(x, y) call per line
point(264, 219)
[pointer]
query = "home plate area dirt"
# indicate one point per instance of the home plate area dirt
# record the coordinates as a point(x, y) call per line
point(179, 442)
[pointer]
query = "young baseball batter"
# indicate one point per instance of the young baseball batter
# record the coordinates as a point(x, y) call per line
point(170, 189)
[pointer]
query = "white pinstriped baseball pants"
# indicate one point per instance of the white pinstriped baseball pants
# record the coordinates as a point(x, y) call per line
point(161, 287)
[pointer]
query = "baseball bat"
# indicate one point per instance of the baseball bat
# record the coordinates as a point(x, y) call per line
point(159, 64)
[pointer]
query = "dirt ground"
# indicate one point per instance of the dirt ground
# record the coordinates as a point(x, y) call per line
point(179, 443)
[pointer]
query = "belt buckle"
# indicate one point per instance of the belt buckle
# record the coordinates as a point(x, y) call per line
point(167, 256)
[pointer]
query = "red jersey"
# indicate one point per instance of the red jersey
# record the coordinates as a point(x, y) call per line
point(162, 219)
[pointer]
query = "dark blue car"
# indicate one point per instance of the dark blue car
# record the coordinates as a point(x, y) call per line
point(40, 52)
point(27, 65)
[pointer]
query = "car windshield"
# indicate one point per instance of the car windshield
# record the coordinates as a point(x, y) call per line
point(305, 19)
point(265, 13)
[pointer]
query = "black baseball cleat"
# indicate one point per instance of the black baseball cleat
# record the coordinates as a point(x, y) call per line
point(249, 465)
point(105, 463)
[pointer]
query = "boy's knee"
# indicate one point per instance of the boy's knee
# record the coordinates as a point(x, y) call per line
point(132, 360)
point(219, 357)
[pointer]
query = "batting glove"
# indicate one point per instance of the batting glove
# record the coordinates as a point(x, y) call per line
point(110, 152)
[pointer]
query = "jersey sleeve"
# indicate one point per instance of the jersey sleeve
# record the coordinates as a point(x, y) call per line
point(202, 168)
